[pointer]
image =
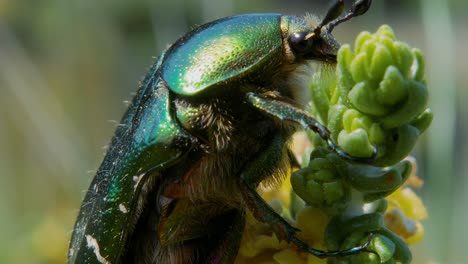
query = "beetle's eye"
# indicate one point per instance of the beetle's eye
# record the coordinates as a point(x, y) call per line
point(299, 43)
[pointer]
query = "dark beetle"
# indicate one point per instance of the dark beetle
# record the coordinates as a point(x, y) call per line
point(211, 120)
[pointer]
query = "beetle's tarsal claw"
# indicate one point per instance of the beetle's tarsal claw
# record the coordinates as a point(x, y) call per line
point(369, 240)
point(338, 253)
point(343, 154)
point(374, 153)
point(358, 249)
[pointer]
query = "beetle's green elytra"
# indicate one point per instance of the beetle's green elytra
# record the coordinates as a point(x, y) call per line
point(210, 121)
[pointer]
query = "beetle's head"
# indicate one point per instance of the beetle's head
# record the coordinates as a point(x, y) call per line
point(317, 43)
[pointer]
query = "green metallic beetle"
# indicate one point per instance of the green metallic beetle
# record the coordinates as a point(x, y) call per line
point(211, 120)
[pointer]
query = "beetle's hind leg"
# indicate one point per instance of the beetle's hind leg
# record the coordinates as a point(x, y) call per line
point(287, 112)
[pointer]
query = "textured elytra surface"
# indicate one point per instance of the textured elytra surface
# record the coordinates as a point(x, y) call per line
point(221, 50)
point(149, 142)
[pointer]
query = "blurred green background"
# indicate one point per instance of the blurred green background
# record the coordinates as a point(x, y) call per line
point(66, 67)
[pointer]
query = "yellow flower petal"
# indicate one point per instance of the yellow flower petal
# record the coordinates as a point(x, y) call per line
point(419, 234)
point(312, 223)
point(311, 259)
point(288, 256)
point(409, 202)
point(282, 193)
point(410, 230)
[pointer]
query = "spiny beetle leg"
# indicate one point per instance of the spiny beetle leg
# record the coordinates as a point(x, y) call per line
point(285, 111)
point(268, 160)
point(265, 214)
point(257, 170)
point(284, 231)
point(228, 245)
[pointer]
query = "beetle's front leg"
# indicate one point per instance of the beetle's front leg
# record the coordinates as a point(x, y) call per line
point(285, 111)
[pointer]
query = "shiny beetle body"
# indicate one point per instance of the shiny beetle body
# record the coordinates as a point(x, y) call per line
point(210, 121)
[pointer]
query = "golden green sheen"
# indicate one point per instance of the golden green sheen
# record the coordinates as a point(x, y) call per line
point(221, 51)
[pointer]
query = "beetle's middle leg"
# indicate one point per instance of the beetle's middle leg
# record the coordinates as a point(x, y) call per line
point(258, 170)
point(284, 111)
point(270, 161)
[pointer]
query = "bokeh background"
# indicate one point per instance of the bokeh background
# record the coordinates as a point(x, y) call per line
point(67, 66)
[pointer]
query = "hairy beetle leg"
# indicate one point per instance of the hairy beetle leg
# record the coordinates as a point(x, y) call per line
point(255, 172)
point(285, 111)
point(284, 231)
point(265, 214)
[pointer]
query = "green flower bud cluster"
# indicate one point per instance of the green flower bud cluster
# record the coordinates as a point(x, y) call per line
point(328, 182)
point(385, 246)
point(320, 184)
point(352, 195)
point(376, 101)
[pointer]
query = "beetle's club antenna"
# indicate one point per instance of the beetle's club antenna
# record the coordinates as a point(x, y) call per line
point(332, 18)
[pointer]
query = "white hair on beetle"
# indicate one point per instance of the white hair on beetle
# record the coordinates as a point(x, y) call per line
point(312, 21)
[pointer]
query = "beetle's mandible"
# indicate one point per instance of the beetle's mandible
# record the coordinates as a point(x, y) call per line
point(211, 120)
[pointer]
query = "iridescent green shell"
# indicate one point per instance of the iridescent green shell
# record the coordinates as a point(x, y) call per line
point(222, 51)
point(148, 140)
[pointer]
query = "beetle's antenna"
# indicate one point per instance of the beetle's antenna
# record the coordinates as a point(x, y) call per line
point(359, 7)
point(335, 10)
